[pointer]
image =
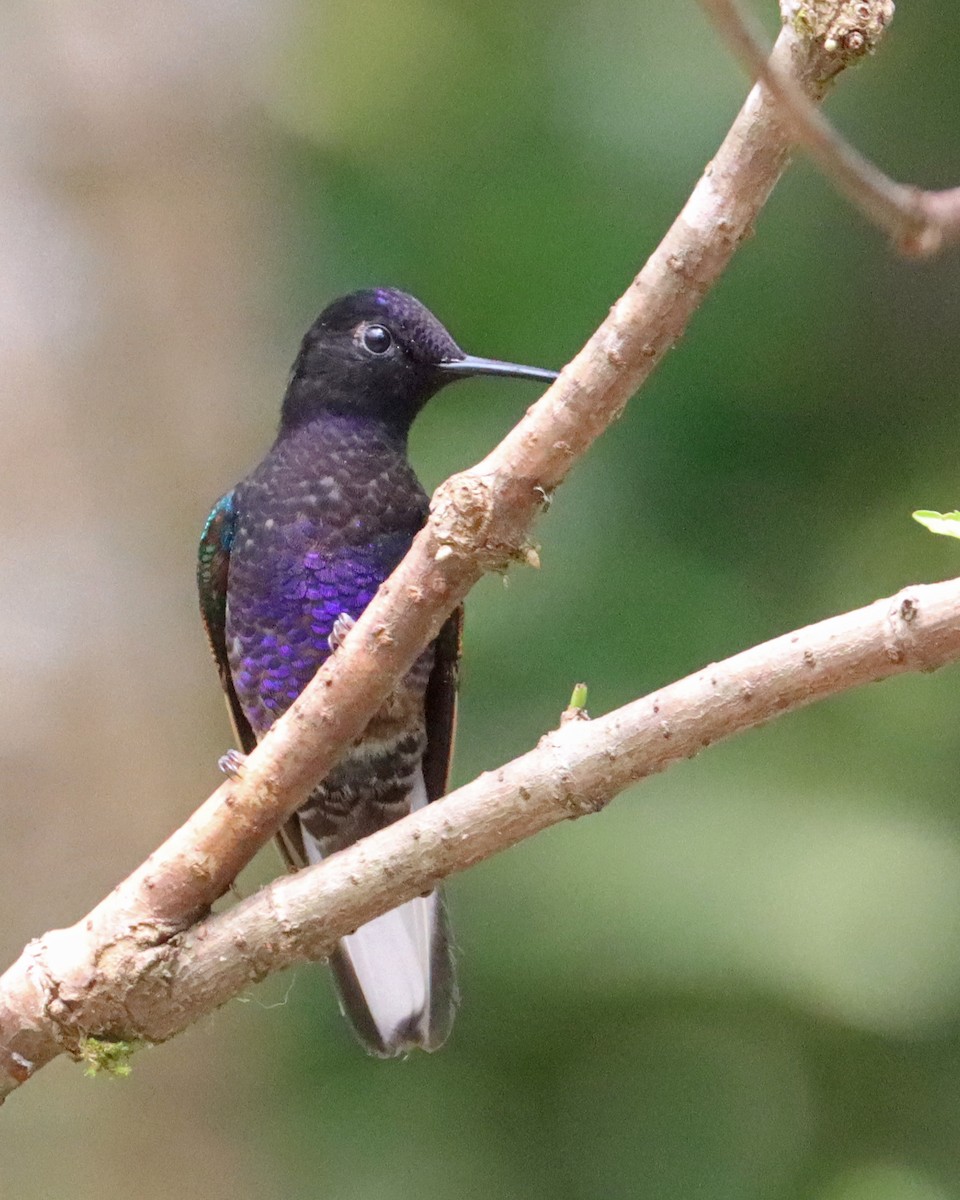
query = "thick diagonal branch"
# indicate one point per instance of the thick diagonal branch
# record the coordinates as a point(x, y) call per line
point(479, 522)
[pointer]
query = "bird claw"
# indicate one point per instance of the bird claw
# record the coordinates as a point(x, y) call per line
point(341, 627)
point(232, 763)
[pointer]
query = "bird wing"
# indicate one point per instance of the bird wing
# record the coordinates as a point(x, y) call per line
point(441, 706)
point(213, 569)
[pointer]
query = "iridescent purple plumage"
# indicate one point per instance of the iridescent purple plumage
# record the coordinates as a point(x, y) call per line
point(322, 521)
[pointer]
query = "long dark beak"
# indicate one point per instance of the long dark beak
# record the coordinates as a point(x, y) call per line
point(463, 368)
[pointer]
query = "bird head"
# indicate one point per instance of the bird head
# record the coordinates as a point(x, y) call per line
point(381, 354)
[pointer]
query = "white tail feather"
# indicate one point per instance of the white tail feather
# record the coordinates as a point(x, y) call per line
point(391, 957)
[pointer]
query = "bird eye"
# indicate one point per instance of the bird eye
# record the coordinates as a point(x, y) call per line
point(377, 339)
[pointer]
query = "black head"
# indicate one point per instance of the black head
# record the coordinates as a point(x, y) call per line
point(380, 354)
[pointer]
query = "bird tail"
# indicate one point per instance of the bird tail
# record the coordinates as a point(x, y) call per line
point(395, 974)
point(396, 980)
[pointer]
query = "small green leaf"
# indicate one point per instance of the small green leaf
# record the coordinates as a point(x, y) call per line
point(946, 523)
point(576, 710)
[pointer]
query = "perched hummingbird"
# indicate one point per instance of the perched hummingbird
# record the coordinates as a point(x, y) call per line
point(288, 561)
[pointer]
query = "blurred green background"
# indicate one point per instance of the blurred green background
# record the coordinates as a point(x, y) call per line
point(743, 979)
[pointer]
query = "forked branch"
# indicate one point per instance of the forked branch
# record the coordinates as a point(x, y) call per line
point(920, 223)
point(137, 964)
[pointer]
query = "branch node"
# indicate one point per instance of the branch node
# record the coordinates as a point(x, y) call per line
point(463, 520)
point(847, 31)
point(544, 498)
point(901, 616)
point(461, 514)
point(578, 803)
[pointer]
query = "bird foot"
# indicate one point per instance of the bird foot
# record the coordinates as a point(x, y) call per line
point(341, 627)
point(232, 763)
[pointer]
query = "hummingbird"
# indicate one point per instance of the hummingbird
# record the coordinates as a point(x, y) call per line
point(288, 561)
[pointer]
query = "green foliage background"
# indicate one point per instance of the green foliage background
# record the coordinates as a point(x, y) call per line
point(743, 980)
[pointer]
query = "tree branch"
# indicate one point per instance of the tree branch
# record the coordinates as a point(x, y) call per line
point(921, 223)
point(574, 771)
point(98, 976)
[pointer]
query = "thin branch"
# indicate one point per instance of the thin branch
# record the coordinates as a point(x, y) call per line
point(79, 980)
point(921, 223)
point(574, 771)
